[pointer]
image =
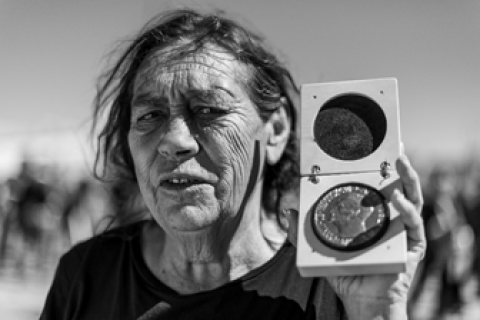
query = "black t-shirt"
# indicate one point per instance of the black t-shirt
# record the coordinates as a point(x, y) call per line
point(106, 278)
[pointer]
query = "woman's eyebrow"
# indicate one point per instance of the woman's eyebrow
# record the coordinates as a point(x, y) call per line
point(147, 99)
point(150, 99)
point(210, 93)
point(221, 88)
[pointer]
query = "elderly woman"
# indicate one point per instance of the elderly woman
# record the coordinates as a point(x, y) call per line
point(202, 117)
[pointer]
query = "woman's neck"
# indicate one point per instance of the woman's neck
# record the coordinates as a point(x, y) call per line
point(204, 261)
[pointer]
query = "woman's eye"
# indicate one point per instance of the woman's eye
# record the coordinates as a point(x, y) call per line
point(208, 110)
point(204, 110)
point(148, 116)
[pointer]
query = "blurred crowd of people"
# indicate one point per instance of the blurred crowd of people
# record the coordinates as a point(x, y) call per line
point(451, 216)
point(44, 211)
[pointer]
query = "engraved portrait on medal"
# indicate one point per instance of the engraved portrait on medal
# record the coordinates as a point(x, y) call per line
point(350, 217)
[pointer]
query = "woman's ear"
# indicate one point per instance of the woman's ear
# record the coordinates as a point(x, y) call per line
point(278, 134)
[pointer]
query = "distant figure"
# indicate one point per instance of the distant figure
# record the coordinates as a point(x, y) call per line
point(6, 218)
point(444, 224)
point(469, 200)
point(73, 201)
point(28, 215)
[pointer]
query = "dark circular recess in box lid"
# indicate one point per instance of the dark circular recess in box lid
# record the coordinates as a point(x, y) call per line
point(350, 127)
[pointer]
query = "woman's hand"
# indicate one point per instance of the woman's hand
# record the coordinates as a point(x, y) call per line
point(385, 296)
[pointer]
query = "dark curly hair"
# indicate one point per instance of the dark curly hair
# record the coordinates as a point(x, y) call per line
point(186, 31)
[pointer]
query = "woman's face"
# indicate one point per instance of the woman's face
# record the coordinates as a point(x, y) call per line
point(192, 138)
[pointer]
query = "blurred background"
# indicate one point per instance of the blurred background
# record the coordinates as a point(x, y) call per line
point(53, 50)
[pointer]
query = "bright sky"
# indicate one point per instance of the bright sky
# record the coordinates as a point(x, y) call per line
point(52, 52)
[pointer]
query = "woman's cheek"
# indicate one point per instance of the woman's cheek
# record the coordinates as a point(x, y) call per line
point(239, 154)
point(143, 153)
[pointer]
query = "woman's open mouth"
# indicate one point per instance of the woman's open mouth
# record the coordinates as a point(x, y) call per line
point(178, 184)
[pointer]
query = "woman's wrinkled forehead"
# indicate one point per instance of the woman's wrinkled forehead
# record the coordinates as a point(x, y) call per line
point(170, 74)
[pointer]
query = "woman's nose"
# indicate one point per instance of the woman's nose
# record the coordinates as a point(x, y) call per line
point(178, 142)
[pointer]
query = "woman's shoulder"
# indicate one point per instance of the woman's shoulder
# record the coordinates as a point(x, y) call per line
point(124, 232)
point(106, 244)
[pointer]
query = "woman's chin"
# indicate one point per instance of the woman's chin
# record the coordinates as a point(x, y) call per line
point(192, 219)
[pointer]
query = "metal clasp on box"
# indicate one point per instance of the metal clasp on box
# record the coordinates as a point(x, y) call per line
point(385, 169)
point(315, 171)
